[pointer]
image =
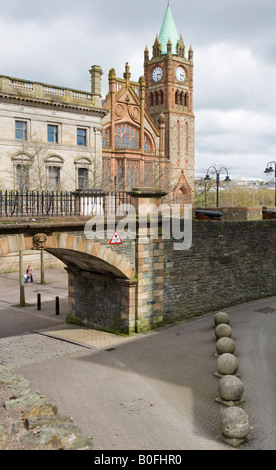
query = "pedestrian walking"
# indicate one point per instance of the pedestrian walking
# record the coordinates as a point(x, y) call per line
point(29, 274)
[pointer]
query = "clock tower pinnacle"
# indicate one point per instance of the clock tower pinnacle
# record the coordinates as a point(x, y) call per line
point(169, 92)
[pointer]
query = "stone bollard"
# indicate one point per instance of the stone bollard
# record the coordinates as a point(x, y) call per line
point(230, 390)
point(227, 364)
point(221, 317)
point(225, 345)
point(223, 330)
point(234, 424)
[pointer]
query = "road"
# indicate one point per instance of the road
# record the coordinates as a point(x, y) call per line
point(150, 391)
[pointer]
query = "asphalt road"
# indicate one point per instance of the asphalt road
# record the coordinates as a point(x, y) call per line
point(151, 391)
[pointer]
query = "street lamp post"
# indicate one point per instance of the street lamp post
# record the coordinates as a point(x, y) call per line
point(269, 169)
point(217, 172)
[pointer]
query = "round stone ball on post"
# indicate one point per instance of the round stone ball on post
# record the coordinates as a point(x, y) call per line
point(225, 345)
point(227, 364)
point(223, 330)
point(221, 317)
point(230, 388)
point(234, 425)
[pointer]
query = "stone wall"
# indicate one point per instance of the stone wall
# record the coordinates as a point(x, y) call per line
point(237, 213)
point(102, 302)
point(228, 263)
point(10, 262)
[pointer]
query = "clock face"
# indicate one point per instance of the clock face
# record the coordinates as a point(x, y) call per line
point(157, 74)
point(180, 74)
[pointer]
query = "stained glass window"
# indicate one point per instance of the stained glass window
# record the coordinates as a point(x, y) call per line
point(126, 137)
point(105, 139)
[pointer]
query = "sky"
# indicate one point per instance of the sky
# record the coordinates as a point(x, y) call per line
point(234, 44)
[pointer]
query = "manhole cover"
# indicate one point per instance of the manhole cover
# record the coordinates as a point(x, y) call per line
point(266, 310)
point(136, 405)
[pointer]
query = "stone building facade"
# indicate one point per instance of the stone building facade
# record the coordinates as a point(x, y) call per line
point(133, 145)
point(158, 111)
point(169, 93)
point(140, 135)
point(50, 137)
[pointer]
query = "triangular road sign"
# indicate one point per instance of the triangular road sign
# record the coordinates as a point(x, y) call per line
point(115, 240)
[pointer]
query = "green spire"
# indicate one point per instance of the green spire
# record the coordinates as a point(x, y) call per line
point(168, 31)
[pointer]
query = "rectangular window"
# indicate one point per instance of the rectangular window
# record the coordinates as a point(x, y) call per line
point(81, 137)
point(52, 133)
point(53, 178)
point(21, 130)
point(22, 177)
point(82, 178)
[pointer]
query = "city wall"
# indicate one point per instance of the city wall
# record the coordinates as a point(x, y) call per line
point(145, 283)
point(228, 263)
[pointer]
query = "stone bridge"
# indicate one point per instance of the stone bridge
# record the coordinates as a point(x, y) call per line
point(144, 283)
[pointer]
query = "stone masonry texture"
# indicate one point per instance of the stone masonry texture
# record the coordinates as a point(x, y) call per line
point(227, 264)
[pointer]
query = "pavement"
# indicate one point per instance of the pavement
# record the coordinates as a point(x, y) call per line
point(151, 391)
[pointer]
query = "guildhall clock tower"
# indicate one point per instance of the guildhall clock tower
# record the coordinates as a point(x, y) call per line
point(169, 96)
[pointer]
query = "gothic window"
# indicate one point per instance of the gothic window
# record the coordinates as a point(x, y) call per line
point(119, 178)
point(106, 173)
point(148, 146)
point(148, 174)
point(186, 103)
point(178, 135)
point(161, 97)
point(105, 139)
point(176, 97)
point(132, 174)
point(125, 140)
point(126, 137)
point(186, 137)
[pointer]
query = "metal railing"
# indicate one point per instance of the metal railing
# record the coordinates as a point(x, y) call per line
point(60, 203)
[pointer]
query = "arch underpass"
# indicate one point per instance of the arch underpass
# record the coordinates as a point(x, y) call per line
point(101, 295)
point(101, 281)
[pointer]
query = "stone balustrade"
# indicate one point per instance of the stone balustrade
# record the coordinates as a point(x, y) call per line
point(38, 90)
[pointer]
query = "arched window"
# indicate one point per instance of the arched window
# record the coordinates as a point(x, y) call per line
point(83, 170)
point(53, 164)
point(126, 137)
point(149, 146)
point(176, 97)
point(106, 138)
point(161, 97)
point(186, 103)
point(21, 163)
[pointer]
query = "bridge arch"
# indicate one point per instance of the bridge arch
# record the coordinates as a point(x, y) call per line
point(101, 281)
